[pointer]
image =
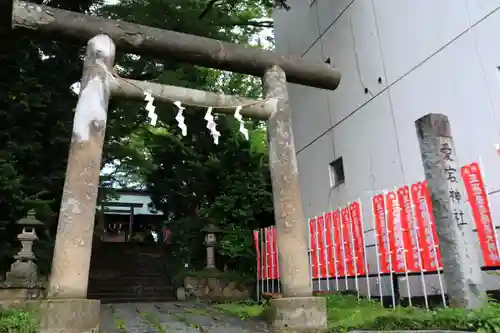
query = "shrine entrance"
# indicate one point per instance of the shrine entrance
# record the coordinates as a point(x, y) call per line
point(128, 217)
point(298, 310)
point(129, 261)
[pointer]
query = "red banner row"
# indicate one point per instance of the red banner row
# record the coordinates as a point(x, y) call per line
point(337, 243)
point(406, 238)
point(400, 241)
point(267, 253)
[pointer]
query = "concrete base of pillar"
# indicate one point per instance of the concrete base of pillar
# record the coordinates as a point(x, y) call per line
point(298, 315)
point(69, 316)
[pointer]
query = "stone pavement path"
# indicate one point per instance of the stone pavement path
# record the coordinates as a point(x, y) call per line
point(180, 317)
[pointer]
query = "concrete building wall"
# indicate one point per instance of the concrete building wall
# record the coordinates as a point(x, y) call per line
point(400, 59)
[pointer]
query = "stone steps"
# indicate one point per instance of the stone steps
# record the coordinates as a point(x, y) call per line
point(137, 288)
point(129, 273)
point(131, 288)
point(137, 293)
point(111, 276)
point(128, 280)
point(134, 299)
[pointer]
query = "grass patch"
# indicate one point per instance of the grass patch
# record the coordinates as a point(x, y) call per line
point(14, 320)
point(346, 313)
point(243, 310)
point(195, 311)
point(180, 318)
point(153, 321)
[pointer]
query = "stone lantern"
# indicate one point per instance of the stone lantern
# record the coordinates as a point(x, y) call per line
point(211, 230)
point(24, 269)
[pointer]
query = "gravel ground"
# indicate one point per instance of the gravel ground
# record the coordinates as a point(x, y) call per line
point(172, 317)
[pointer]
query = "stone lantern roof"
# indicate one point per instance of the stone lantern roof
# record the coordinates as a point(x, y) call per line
point(211, 228)
point(30, 220)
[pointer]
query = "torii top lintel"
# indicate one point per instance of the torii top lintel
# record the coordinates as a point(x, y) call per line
point(196, 50)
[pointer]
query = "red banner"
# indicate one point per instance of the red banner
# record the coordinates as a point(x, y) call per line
point(276, 271)
point(427, 237)
point(339, 257)
point(359, 243)
point(347, 241)
point(257, 251)
point(269, 255)
point(325, 248)
point(378, 206)
point(478, 201)
point(320, 229)
point(409, 238)
point(330, 241)
point(432, 223)
point(314, 248)
point(395, 233)
point(276, 253)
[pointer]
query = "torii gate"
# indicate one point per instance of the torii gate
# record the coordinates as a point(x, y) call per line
point(67, 308)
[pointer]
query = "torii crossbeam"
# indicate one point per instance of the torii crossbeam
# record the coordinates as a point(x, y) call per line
point(196, 50)
point(297, 311)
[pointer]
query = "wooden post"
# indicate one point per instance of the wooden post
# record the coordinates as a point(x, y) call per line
point(290, 222)
point(70, 266)
point(461, 263)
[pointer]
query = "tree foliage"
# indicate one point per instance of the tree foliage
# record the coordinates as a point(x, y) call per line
point(35, 124)
point(191, 179)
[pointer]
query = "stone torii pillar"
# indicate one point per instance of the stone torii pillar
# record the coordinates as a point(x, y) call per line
point(71, 262)
point(298, 310)
point(68, 309)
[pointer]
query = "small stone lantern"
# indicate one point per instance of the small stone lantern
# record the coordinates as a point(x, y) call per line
point(211, 230)
point(24, 269)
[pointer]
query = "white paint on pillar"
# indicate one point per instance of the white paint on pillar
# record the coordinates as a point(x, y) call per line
point(103, 45)
point(73, 205)
point(91, 106)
